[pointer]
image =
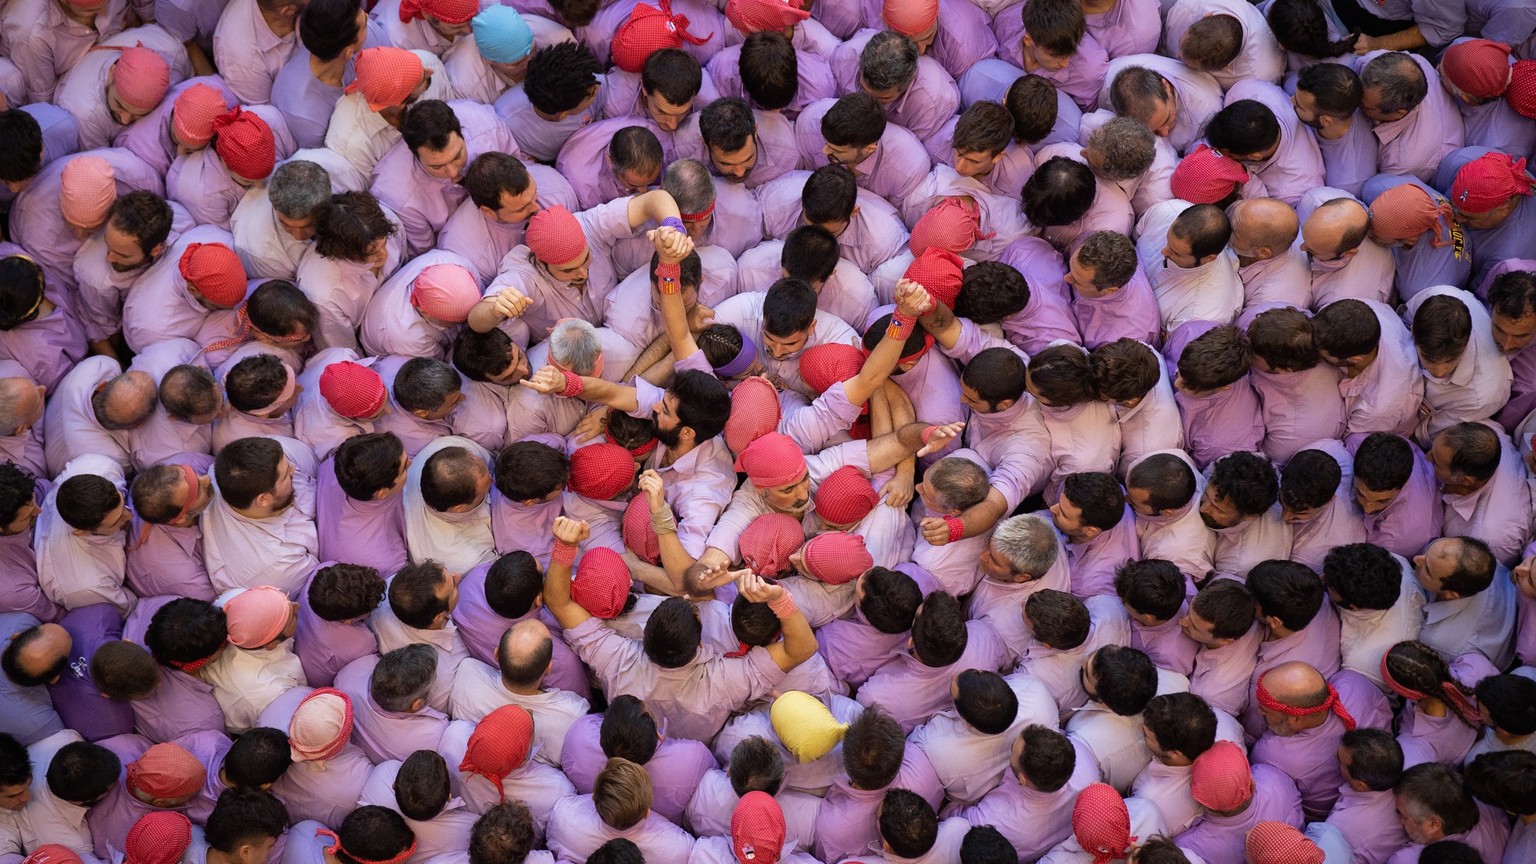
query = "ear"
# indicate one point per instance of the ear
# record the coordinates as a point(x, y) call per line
point(422, 413)
point(1005, 404)
point(1450, 595)
point(418, 705)
point(157, 251)
point(1091, 531)
point(856, 209)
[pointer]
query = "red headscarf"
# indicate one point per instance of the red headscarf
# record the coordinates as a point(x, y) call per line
point(352, 389)
point(446, 11)
point(1489, 181)
point(499, 745)
point(1221, 779)
point(554, 236)
point(215, 271)
point(639, 536)
point(1101, 823)
point(939, 271)
point(752, 16)
point(821, 366)
point(194, 111)
point(845, 496)
point(768, 542)
point(601, 471)
point(1279, 843)
point(952, 225)
point(602, 581)
point(1205, 176)
point(836, 557)
point(244, 141)
point(1522, 88)
point(1332, 703)
point(141, 77)
point(1478, 67)
point(757, 829)
point(161, 837)
point(166, 771)
point(772, 460)
point(647, 31)
point(1406, 211)
point(755, 412)
point(385, 75)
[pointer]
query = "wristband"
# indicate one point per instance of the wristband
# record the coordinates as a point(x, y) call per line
point(573, 385)
point(663, 522)
point(562, 553)
point(667, 276)
point(956, 528)
point(927, 431)
point(784, 607)
point(675, 224)
point(901, 326)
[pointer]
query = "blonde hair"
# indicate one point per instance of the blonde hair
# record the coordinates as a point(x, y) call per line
point(622, 794)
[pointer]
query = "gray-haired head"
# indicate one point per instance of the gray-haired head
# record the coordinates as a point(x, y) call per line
point(1028, 542)
point(574, 344)
point(299, 188)
point(689, 183)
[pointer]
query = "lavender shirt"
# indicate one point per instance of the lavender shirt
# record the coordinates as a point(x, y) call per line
point(812, 71)
point(1508, 239)
point(1309, 757)
point(385, 735)
point(1220, 838)
point(371, 533)
point(1081, 78)
point(929, 101)
point(896, 167)
point(676, 768)
point(484, 241)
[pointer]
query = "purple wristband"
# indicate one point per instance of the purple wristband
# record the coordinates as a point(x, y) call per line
point(674, 223)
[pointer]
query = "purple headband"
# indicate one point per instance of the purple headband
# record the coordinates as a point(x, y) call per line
point(742, 361)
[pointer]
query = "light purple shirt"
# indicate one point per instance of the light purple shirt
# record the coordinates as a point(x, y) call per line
point(45, 44)
point(1034, 821)
point(1199, 95)
point(1260, 57)
point(382, 734)
point(247, 52)
point(1309, 756)
point(149, 137)
point(1081, 78)
point(1297, 408)
point(1219, 838)
point(846, 824)
point(929, 101)
point(913, 692)
point(576, 830)
point(1218, 423)
point(896, 167)
point(1128, 313)
point(813, 75)
point(537, 137)
point(1416, 143)
point(1298, 164)
point(483, 241)
point(675, 769)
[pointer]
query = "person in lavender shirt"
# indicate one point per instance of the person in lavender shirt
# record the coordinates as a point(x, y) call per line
point(165, 544)
point(1317, 500)
point(1259, 128)
point(1298, 393)
point(358, 512)
point(1111, 298)
point(1229, 39)
point(333, 619)
point(1153, 592)
point(770, 72)
point(885, 158)
point(1307, 715)
point(1433, 804)
point(914, 90)
point(1100, 532)
point(1165, 490)
point(1220, 619)
point(1219, 407)
point(1345, 261)
point(1496, 779)
point(1371, 763)
point(1051, 40)
point(562, 93)
point(503, 195)
point(1395, 487)
point(618, 808)
point(253, 40)
point(1482, 483)
point(307, 85)
point(1511, 295)
point(1236, 797)
point(1241, 503)
point(1471, 604)
point(1327, 100)
point(1296, 621)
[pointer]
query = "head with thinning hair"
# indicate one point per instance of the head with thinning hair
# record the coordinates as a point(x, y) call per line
point(1392, 84)
point(1022, 549)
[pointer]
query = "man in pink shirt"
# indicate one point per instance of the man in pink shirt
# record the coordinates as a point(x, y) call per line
point(46, 38)
point(328, 770)
point(165, 545)
point(567, 271)
point(359, 517)
point(1220, 620)
point(1099, 529)
point(95, 410)
point(1483, 483)
point(332, 620)
point(260, 529)
point(1047, 772)
point(1395, 488)
point(416, 312)
point(389, 697)
point(1273, 269)
point(1383, 387)
point(885, 158)
point(421, 177)
point(1051, 40)
point(1183, 251)
point(1067, 200)
point(1172, 99)
point(1298, 393)
point(55, 214)
point(1414, 118)
point(253, 40)
point(711, 685)
point(1220, 408)
point(1111, 298)
point(1230, 39)
point(503, 195)
point(1317, 498)
point(45, 340)
point(1307, 715)
point(107, 90)
point(22, 418)
point(627, 156)
point(1341, 265)
point(1241, 504)
point(848, 819)
point(1163, 490)
point(1259, 128)
point(1236, 797)
point(913, 687)
point(198, 275)
point(914, 90)
point(562, 93)
point(1365, 812)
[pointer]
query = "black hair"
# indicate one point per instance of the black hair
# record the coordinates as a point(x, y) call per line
point(561, 77)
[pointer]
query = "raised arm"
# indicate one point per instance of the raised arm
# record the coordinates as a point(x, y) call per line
point(492, 310)
point(910, 300)
point(557, 578)
point(671, 248)
point(675, 560)
point(941, 324)
point(799, 639)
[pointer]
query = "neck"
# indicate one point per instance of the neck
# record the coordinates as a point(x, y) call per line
point(329, 71)
point(217, 857)
point(673, 454)
point(280, 25)
point(520, 689)
point(1094, 7)
point(1277, 633)
point(81, 16)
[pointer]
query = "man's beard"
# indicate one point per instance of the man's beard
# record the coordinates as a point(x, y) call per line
point(670, 438)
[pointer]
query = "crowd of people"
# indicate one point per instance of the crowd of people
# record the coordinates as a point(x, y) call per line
point(767, 432)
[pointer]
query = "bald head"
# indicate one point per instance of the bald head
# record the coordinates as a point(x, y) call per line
point(1335, 229)
point(37, 655)
point(524, 654)
point(1262, 228)
point(21, 405)
point(191, 394)
point(125, 401)
point(1296, 684)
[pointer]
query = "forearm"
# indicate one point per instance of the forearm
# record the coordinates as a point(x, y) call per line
point(652, 355)
point(887, 450)
point(483, 318)
point(979, 518)
point(656, 578)
point(557, 591)
point(603, 392)
point(660, 372)
point(1404, 40)
point(799, 638)
point(653, 206)
point(942, 325)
